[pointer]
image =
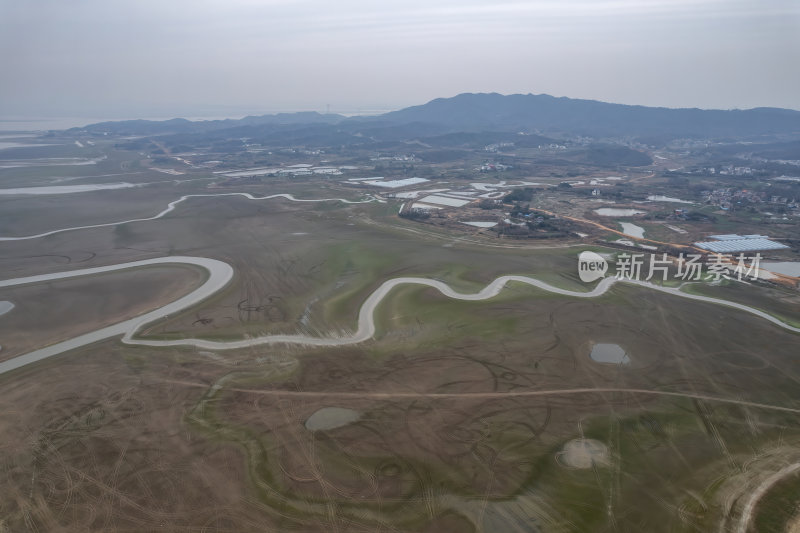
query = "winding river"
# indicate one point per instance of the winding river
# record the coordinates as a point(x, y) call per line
point(220, 274)
point(171, 207)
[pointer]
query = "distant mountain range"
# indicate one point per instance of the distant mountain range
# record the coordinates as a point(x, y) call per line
point(543, 114)
point(182, 125)
point(549, 114)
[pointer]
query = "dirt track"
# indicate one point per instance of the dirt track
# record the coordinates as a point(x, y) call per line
point(488, 395)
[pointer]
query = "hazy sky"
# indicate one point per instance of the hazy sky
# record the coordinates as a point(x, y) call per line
point(125, 58)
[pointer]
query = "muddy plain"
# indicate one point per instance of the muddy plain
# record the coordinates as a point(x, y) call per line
point(472, 416)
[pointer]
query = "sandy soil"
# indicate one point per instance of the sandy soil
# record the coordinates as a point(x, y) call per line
point(584, 453)
point(464, 404)
point(52, 312)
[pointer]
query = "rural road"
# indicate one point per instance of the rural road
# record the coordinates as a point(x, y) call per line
point(220, 274)
point(487, 395)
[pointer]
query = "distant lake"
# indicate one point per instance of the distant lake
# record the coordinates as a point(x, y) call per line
point(632, 229)
point(660, 198)
point(66, 189)
point(481, 224)
point(6, 145)
point(617, 212)
point(13, 124)
point(787, 268)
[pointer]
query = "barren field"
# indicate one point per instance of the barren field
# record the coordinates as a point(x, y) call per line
point(484, 416)
point(70, 308)
point(461, 423)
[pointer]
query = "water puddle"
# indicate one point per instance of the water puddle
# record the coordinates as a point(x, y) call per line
point(331, 418)
point(610, 354)
point(5, 307)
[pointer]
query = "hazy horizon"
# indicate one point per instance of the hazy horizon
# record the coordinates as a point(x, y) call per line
point(55, 122)
point(237, 113)
point(149, 59)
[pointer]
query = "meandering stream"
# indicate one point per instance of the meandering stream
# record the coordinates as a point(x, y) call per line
point(220, 274)
point(171, 207)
